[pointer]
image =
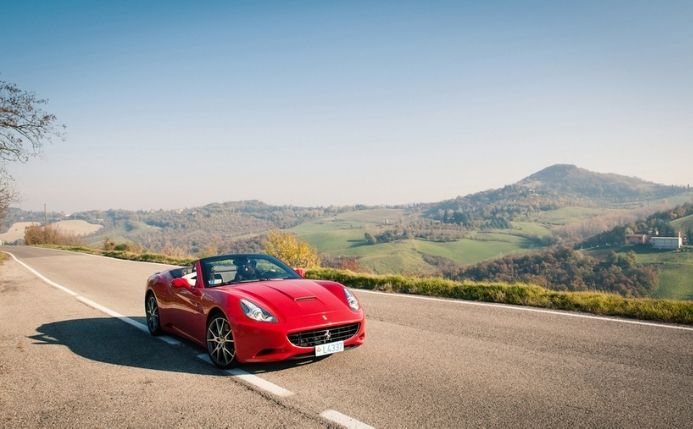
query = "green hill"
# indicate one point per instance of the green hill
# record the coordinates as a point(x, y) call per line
point(683, 224)
point(675, 272)
point(553, 188)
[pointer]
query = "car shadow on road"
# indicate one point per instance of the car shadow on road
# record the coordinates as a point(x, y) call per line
point(109, 340)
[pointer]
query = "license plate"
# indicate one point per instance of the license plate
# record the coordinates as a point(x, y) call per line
point(329, 348)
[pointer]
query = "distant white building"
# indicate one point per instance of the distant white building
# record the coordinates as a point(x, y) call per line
point(666, 242)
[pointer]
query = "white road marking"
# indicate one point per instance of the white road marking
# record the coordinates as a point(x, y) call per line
point(249, 378)
point(84, 300)
point(344, 420)
point(141, 326)
point(521, 308)
point(42, 277)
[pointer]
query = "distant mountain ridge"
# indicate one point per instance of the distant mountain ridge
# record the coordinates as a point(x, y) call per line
point(557, 186)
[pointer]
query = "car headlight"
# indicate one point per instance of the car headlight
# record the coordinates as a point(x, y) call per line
point(351, 299)
point(255, 312)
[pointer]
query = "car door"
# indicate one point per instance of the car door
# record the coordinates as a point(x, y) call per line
point(187, 305)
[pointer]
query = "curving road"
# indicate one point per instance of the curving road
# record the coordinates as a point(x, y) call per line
point(426, 363)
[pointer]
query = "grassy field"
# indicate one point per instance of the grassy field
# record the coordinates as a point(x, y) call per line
point(676, 272)
point(120, 234)
point(683, 224)
point(343, 235)
point(532, 228)
point(683, 198)
point(675, 269)
point(567, 215)
point(572, 215)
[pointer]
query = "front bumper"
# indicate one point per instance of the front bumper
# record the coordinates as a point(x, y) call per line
point(269, 342)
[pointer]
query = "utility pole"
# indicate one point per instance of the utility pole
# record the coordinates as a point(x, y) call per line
point(45, 224)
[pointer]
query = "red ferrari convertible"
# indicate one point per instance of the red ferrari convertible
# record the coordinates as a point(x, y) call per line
point(253, 308)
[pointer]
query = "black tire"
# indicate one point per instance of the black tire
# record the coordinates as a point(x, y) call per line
point(221, 346)
point(151, 310)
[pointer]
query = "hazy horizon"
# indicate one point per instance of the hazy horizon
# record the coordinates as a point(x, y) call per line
point(174, 104)
point(271, 203)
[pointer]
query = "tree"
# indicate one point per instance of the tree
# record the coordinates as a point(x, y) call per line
point(290, 249)
point(7, 194)
point(24, 128)
point(369, 238)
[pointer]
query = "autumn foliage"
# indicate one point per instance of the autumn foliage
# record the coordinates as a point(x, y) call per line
point(291, 250)
point(48, 234)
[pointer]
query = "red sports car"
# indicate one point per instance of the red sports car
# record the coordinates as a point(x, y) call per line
point(253, 308)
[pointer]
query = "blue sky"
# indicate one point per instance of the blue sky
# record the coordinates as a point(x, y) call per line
point(177, 104)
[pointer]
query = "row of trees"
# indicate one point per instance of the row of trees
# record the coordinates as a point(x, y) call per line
point(423, 229)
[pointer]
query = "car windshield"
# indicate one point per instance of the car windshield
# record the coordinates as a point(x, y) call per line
point(232, 269)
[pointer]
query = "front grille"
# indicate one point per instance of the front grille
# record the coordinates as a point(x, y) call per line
point(323, 336)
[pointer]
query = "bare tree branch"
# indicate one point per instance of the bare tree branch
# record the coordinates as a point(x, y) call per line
point(24, 128)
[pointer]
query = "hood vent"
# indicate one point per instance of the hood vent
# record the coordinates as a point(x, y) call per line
point(304, 298)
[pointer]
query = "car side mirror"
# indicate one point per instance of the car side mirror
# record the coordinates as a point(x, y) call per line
point(301, 272)
point(180, 282)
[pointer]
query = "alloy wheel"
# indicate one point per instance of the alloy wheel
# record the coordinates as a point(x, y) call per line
point(220, 344)
point(152, 311)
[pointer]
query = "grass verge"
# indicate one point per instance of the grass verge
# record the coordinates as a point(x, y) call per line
point(519, 294)
point(118, 254)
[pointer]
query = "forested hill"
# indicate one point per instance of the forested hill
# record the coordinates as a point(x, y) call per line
point(570, 180)
point(554, 187)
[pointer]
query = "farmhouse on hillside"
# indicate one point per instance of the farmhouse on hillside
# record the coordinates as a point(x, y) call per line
point(666, 242)
point(636, 238)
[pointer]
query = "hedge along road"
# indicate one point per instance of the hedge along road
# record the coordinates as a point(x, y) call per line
point(430, 362)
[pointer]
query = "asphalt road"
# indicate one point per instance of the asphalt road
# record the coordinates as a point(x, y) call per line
point(426, 363)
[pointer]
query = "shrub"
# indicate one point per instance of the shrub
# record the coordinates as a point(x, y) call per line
point(292, 250)
point(517, 293)
point(49, 234)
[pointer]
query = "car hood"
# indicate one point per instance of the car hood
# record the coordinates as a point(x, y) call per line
point(293, 298)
